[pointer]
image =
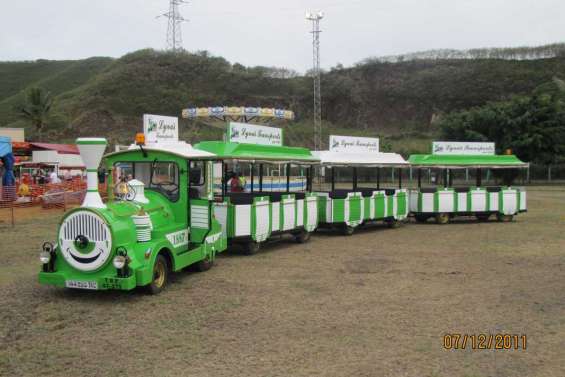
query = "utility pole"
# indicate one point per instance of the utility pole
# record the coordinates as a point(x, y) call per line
point(315, 18)
point(174, 33)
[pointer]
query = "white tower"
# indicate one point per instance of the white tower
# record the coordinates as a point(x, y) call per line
point(91, 150)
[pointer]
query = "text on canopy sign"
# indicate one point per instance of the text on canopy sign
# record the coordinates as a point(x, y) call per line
point(159, 128)
point(353, 144)
point(254, 134)
point(462, 148)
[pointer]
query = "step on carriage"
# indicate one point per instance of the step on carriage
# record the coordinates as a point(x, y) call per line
point(346, 208)
point(443, 198)
point(276, 197)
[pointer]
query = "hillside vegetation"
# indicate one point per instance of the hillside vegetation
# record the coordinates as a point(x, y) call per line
point(400, 102)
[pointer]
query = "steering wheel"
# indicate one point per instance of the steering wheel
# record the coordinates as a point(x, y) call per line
point(168, 192)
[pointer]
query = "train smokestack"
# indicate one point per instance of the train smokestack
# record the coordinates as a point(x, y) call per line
point(91, 150)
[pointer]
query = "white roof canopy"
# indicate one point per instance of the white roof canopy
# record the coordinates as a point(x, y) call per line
point(330, 158)
point(180, 148)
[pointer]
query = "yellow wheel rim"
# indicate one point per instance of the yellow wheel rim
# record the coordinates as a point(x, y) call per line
point(159, 274)
point(443, 218)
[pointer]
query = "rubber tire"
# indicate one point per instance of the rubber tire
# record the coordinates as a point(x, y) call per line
point(393, 224)
point(504, 218)
point(302, 237)
point(348, 230)
point(421, 218)
point(153, 288)
point(442, 218)
point(251, 248)
point(483, 217)
point(204, 265)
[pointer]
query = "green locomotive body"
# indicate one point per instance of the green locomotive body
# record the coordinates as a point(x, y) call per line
point(161, 221)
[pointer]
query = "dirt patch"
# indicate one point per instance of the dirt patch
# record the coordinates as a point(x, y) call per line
point(377, 303)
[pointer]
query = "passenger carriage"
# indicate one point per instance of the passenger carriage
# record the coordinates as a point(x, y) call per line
point(347, 208)
point(267, 207)
point(444, 199)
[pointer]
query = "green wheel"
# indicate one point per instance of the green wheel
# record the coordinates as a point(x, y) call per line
point(252, 248)
point(504, 218)
point(160, 275)
point(442, 218)
point(302, 237)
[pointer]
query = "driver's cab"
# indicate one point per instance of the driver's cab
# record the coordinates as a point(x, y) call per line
point(159, 176)
point(158, 179)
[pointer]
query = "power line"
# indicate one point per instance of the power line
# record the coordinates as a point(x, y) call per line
point(315, 18)
point(175, 19)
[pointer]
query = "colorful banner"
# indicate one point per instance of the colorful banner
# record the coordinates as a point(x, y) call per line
point(236, 111)
point(354, 144)
point(158, 128)
point(462, 148)
point(254, 134)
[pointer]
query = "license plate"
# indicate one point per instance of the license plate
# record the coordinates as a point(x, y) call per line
point(81, 284)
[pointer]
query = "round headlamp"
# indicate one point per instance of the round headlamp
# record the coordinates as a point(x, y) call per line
point(119, 261)
point(47, 247)
point(45, 257)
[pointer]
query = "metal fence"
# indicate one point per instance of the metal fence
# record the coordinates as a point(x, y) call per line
point(61, 196)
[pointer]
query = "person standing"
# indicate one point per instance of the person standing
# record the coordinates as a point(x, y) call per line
point(54, 178)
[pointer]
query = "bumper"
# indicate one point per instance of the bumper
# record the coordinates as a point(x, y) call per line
point(103, 282)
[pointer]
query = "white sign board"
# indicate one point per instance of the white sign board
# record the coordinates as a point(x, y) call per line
point(462, 148)
point(254, 134)
point(159, 128)
point(354, 144)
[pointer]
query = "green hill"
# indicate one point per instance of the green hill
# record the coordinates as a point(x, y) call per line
point(398, 101)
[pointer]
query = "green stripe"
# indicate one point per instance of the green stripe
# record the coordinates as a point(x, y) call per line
point(488, 201)
point(92, 190)
point(436, 201)
point(455, 202)
point(92, 142)
point(469, 201)
point(420, 201)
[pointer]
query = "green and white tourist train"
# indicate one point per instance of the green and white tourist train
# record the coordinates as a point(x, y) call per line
point(252, 216)
point(347, 208)
point(447, 201)
point(171, 205)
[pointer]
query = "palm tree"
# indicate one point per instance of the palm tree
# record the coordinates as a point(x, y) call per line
point(37, 106)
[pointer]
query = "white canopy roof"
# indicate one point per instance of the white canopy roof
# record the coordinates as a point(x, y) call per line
point(180, 148)
point(330, 158)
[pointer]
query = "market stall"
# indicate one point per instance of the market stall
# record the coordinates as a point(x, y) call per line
point(444, 200)
point(348, 207)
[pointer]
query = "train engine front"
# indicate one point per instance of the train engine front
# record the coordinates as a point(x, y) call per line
point(135, 239)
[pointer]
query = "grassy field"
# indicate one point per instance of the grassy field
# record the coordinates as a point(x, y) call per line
point(374, 304)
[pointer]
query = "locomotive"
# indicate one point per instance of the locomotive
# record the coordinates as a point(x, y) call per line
point(150, 226)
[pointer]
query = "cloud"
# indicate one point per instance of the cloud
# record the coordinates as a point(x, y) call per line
point(274, 33)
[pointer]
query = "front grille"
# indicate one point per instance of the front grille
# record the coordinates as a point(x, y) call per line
point(85, 224)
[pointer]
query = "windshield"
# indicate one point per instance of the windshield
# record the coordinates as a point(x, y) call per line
point(162, 177)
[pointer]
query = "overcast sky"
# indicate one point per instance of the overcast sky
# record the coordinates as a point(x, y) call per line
point(274, 33)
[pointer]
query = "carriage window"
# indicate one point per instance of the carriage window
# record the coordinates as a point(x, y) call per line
point(162, 177)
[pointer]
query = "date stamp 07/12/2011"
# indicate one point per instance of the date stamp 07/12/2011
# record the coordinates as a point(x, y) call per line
point(485, 342)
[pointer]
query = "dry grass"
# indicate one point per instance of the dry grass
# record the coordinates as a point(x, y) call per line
point(374, 304)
